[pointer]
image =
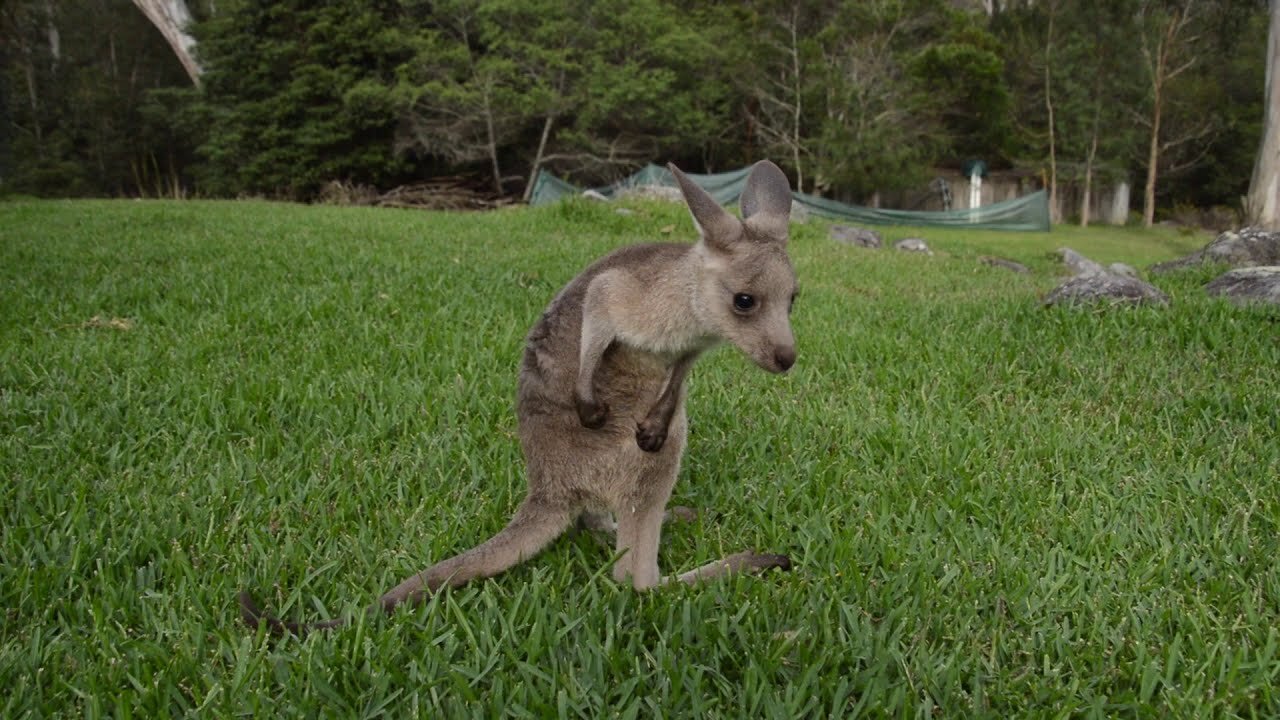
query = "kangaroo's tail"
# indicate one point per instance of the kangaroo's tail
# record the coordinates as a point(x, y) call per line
point(534, 525)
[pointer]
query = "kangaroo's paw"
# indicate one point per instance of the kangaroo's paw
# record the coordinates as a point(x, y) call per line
point(650, 435)
point(591, 413)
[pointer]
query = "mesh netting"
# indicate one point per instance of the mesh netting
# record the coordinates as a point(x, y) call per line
point(1029, 212)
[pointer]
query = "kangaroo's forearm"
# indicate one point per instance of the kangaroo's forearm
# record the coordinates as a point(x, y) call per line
point(597, 334)
point(651, 432)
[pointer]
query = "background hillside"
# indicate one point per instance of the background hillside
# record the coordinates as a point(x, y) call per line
point(863, 101)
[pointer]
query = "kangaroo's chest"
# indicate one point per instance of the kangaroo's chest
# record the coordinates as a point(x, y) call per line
point(631, 377)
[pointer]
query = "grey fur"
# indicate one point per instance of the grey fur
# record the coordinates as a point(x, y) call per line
point(600, 397)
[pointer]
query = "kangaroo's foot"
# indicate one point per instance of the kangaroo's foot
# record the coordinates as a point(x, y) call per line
point(739, 562)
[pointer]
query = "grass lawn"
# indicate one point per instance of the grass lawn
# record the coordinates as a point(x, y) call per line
point(994, 508)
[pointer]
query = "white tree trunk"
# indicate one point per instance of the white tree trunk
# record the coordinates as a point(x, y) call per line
point(1055, 212)
point(1262, 206)
point(55, 40)
point(1086, 197)
point(795, 76)
point(171, 18)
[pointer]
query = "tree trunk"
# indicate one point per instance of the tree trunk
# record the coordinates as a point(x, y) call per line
point(1086, 198)
point(1158, 63)
point(171, 18)
point(1262, 205)
point(491, 139)
point(1153, 162)
point(795, 74)
point(55, 39)
point(1086, 202)
point(1172, 48)
point(1055, 212)
point(537, 158)
point(33, 96)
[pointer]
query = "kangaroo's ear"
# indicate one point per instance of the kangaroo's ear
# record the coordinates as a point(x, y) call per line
point(718, 228)
point(766, 200)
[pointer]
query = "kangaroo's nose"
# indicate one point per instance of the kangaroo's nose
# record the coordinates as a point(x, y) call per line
point(785, 357)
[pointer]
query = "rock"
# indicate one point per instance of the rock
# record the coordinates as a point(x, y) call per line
point(1117, 289)
point(913, 245)
point(1004, 263)
point(1122, 269)
point(855, 236)
point(1249, 247)
point(1245, 285)
point(653, 192)
point(1079, 264)
point(594, 195)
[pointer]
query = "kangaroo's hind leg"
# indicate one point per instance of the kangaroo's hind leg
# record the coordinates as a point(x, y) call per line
point(639, 533)
point(640, 506)
point(603, 528)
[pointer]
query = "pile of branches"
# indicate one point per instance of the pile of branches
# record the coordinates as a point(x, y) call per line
point(440, 193)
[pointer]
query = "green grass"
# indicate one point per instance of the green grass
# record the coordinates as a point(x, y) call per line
point(994, 508)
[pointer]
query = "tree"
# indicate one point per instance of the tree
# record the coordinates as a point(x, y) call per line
point(1065, 66)
point(877, 126)
point(464, 98)
point(1101, 35)
point(297, 94)
point(1051, 7)
point(172, 18)
point(545, 42)
point(591, 88)
point(855, 98)
point(778, 93)
point(652, 86)
point(1169, 32)
point(863, 97)
point(81, 73)
point(1262, 205)
point(1092, 85)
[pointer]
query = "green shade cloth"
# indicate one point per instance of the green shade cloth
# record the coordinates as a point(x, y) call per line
point(1026, 213)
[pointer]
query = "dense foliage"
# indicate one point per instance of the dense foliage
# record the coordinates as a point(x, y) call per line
point(295, 95)
point(851, 98)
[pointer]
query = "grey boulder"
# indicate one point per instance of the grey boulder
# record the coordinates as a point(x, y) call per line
point(1079, 264)
point(913, 245)
point(1122, 269)
point(1004, 263)
point(1105, 287)
point(861, 237)
point(1248, 247)
point(1248, 285)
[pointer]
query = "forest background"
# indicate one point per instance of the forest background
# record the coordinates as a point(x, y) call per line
point(282, 99)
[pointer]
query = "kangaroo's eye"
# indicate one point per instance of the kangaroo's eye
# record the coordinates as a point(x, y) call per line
point(743, 302)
